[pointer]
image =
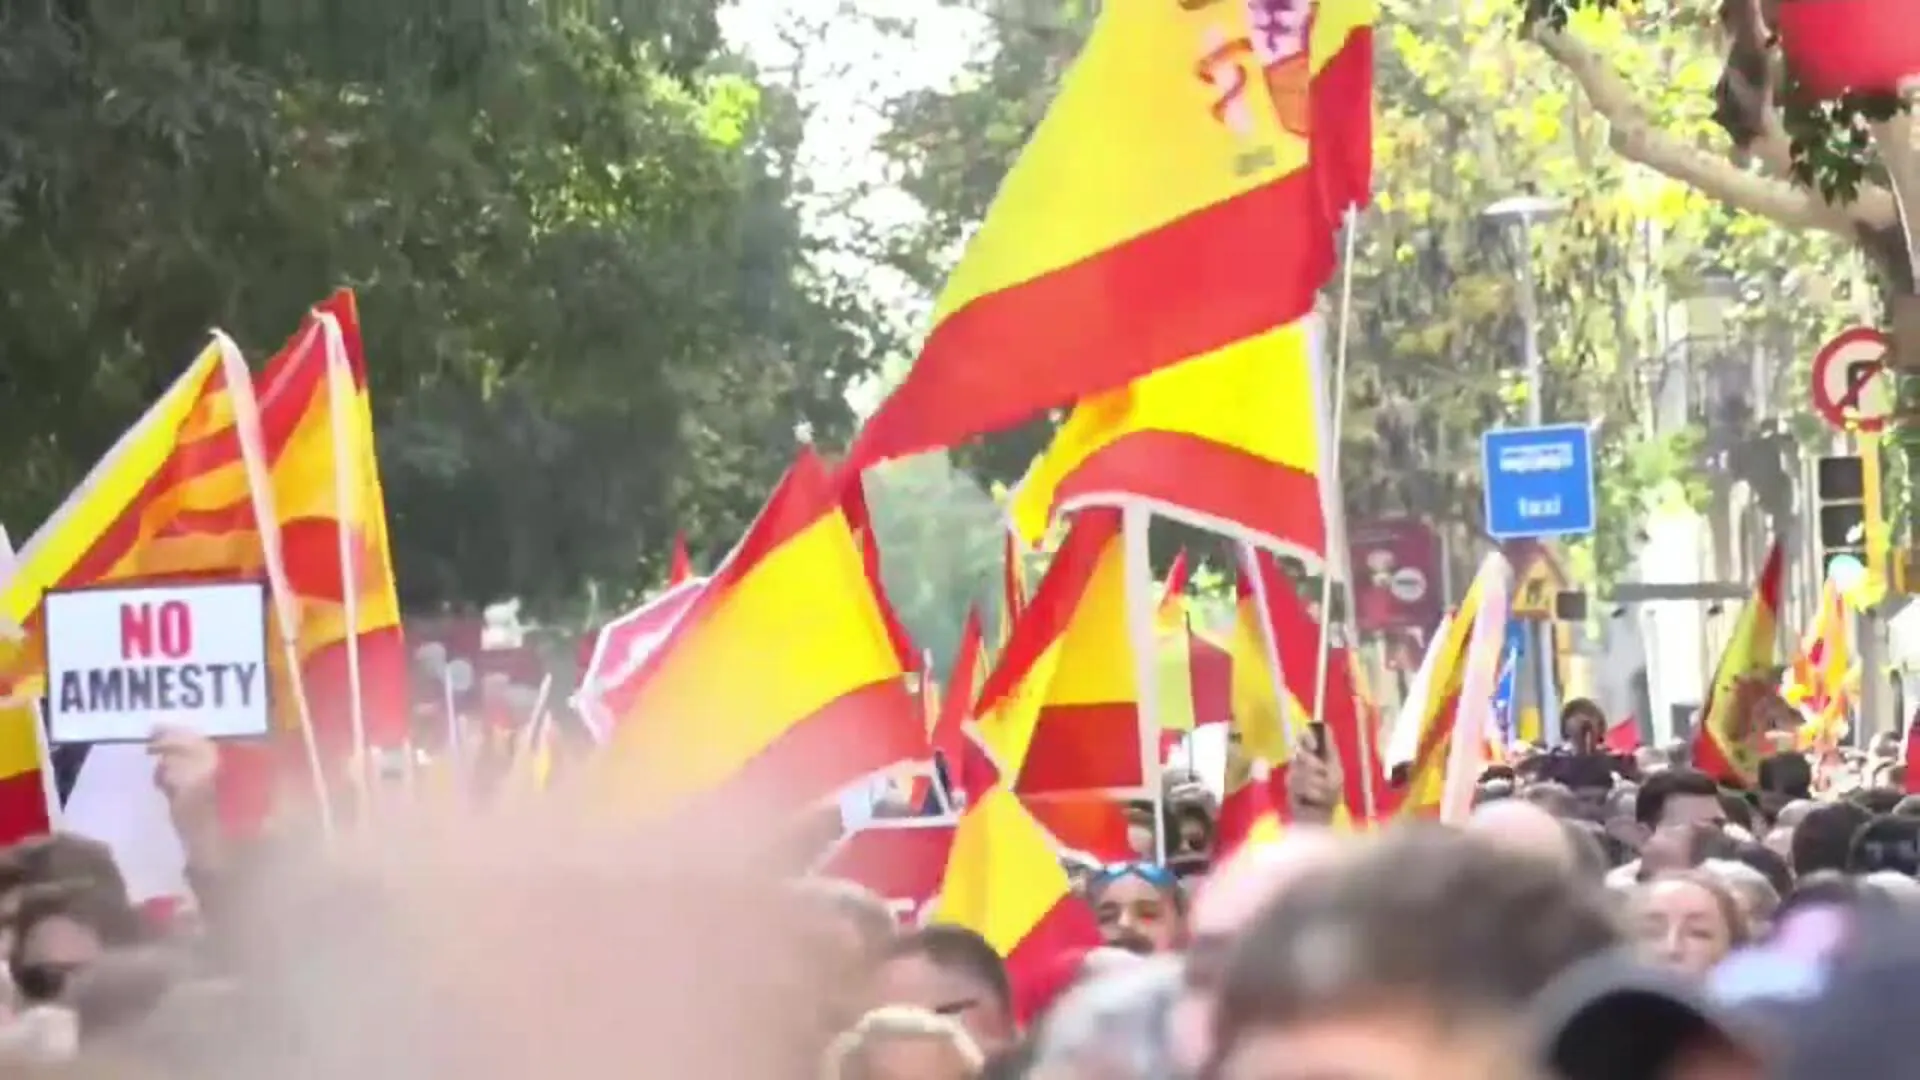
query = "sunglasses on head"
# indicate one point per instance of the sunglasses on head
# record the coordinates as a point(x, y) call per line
point(1153, 874)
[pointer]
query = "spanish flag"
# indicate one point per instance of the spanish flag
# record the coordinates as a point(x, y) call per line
point(783, 684)
point(157, 507)
point(1085, 733)
point(1726, 744)
point(1004, 882)
point(1340, 98)
point(1153, 217)
point(1186, 441)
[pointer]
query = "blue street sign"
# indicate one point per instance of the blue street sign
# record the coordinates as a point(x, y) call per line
point(1539, 481)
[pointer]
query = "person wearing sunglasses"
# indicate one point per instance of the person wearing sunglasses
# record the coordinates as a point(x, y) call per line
point(1141, 907)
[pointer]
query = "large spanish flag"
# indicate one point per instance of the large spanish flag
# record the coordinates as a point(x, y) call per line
point(1152, 218)
point(1725, 745)
point(782, 684)
point(1229, 441)
point(1004, 881)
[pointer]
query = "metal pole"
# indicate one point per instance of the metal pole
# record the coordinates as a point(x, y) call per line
point(1874, 714)
point(1540, 633)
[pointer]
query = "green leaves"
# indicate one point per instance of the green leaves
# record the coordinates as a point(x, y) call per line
point(590, 316)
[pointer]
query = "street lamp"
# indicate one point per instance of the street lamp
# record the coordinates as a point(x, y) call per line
point(1516, 216)
point(1522, 211)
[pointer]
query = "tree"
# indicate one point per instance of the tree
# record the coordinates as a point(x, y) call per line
point(940, 542)
point(1466, 116)
point(592, 313)
point(1753, 140)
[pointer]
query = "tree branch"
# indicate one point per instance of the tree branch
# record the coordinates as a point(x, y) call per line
point(1635, 136)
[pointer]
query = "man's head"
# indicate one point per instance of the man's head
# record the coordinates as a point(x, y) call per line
point(1405, 956)
point(954, 972)
point(1789, 774)
point(1524, 829)
point(1253, 877)
point(60, 931)
point(1583, 725)
point(1678, 797)
point(1140, 906)
point(1824, 837)
point(902, 1043)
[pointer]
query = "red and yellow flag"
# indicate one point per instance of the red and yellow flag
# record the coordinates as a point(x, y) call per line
point(1437, 707)
point(169, 502)
point(680, 571)
point(782, 684)
point(317, 423)
point(1341, 100)
point(1153, 217)
point(1004, 882)
point(1298, 636)
point(1070, 657)
point(1185, 441)
point(1726, 744)
point(1818, 677)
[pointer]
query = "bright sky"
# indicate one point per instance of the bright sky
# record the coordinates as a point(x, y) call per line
point(853, 57)
point(848, 58)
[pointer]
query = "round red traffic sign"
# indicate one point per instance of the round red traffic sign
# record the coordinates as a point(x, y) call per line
point(1851, 387)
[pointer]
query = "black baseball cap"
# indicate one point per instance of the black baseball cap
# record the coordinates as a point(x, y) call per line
point(1833, 992)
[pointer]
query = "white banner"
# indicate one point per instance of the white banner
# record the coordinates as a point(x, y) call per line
point(122, 661)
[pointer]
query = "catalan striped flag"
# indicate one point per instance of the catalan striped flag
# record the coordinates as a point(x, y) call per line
point(317, 421)
point(1436, 705)
point(1818, 676)
point(782, 685)
point(1153, 217)
point(169, 502)
point(1725, 745)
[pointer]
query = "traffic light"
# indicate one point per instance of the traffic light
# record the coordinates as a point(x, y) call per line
point(1840, 487)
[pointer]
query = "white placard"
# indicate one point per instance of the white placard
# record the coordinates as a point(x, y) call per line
point(121, 662)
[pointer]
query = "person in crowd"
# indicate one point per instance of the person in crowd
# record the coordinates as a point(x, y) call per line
point(1255, 876)
point(1885, 843)
point(903, 1043)
point(1786, 774)
point(1412, 954)
point(1525, 829)
point(1756, 896)
point(1768, 863)
point(1824, 837)
point(1142, 907)
point(1116, 1028)
point(1688, 921)
point(853, 928)
point(1057, 977)
point(1672, 848)
point(954, 972)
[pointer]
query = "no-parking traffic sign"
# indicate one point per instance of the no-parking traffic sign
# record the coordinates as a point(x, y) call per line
point(1851, 387)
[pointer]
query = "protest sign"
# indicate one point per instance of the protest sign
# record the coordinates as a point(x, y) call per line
point(121, 661)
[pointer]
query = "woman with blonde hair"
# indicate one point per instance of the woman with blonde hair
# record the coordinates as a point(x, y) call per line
point(1687, 920)
point(902, 1043)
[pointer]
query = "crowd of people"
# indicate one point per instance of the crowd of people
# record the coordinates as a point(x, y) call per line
point(1640, 923)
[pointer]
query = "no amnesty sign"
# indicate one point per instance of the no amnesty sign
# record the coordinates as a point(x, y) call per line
point(122, 661)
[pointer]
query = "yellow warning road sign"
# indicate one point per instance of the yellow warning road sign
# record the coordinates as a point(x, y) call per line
point(1536, 586)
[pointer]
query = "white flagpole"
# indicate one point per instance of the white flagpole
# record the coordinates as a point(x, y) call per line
point(246, 416)
point(1135, 521)
point(1339, 562)
point(341, 397)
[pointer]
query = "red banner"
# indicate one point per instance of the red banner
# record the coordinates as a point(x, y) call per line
point(1397, 575)
point(1834, 46)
